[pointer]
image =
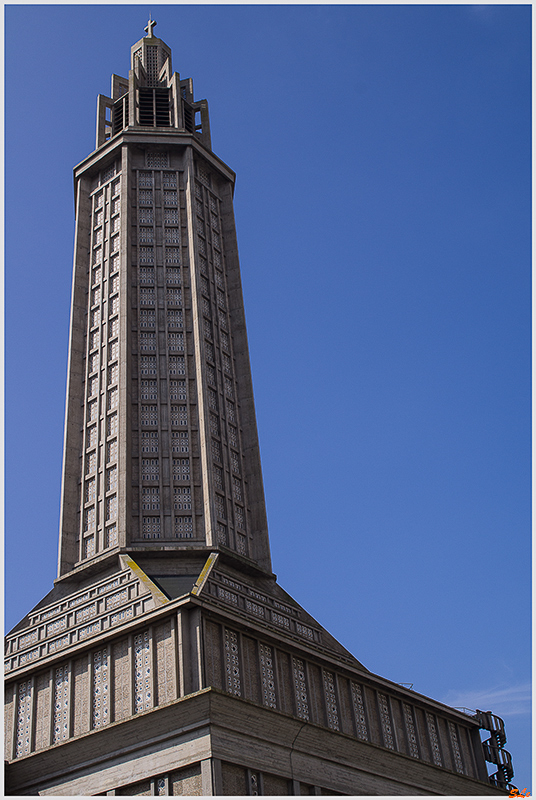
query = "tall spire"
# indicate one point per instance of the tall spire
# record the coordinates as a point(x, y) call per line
point(170, 455)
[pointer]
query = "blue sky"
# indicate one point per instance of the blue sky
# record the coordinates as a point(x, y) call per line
point(383, 212)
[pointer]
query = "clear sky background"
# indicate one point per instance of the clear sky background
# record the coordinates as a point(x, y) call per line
point(383, 215)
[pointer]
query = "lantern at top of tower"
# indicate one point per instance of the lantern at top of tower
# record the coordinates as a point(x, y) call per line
point(153, 96)
point(150, 58)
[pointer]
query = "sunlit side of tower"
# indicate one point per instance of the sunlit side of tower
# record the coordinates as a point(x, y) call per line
point(167, 660)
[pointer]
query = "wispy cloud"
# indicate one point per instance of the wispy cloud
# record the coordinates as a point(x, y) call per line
point(502, 701)
point(483, 11)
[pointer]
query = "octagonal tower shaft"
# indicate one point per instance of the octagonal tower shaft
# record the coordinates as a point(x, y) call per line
point(161, 449)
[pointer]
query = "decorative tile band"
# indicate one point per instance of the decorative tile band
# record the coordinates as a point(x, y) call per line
point(85, 613)
point(28, 639)
point(121, 616)
point(281, 607)
point(67, 621)
point(56, 627)
point(266, 610)
point(77, 600)
point(279, 619)
point(117, 599)
point(57, 644)
point(90, 630)
point(108, 586)
point(230, 597)
point(304, 630)
point(254, 608)
point(29, 656)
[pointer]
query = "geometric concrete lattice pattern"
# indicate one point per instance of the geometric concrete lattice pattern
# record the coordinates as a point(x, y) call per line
point(167, 660)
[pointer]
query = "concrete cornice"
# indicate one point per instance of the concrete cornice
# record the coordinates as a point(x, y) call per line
point(151, 136)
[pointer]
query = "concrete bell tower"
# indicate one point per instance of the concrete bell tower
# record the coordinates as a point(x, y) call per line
point(170, 456)
point(166, 659)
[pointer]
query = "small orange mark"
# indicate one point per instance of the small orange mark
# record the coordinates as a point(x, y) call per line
point(517, 793)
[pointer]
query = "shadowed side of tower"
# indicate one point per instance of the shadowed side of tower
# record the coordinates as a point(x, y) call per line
point(166, 659)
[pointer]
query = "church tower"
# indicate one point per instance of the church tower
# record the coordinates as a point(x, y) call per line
point(167, 660)
point(170, 457)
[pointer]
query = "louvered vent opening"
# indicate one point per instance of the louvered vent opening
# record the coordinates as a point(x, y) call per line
point(188, 117)
point(162, 107)
point(154, 107)
point(120, 115)
point(146, 107)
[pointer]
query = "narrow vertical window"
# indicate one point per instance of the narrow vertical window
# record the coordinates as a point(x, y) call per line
point(359, 711)
point(100, 688)
point(300, 689)
point(24, 718)
point(386, 722)
point(232, 663)
point(331, 700)
point(142, 672)
point(61, 704)
point(267, 676)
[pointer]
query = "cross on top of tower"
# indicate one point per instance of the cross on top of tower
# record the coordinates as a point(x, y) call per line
point(149, 27)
